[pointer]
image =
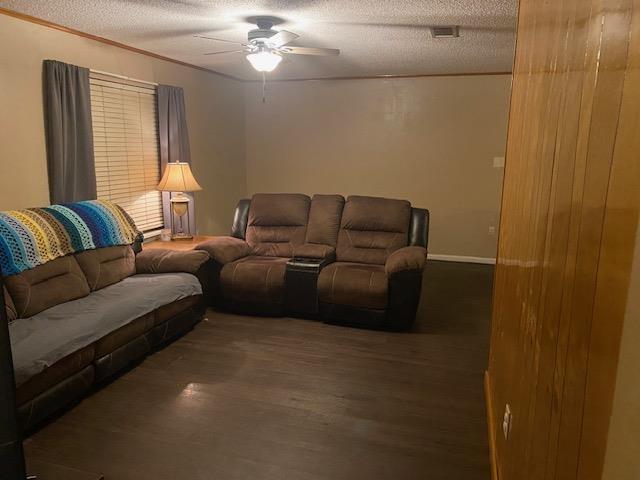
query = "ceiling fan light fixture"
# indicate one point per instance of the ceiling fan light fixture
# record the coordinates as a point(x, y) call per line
point(264, 60)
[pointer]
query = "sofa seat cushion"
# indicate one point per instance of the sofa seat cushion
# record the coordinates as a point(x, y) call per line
point(354, 284)
point(40, 341)
point(254, 279)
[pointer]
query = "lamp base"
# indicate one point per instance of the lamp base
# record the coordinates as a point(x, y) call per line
point(180, 209)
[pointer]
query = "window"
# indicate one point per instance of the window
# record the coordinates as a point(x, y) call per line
point(125, 136)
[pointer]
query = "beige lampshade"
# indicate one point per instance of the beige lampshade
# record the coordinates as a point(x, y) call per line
point(178, 178)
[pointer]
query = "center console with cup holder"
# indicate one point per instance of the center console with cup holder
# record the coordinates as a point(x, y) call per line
point(301, 286)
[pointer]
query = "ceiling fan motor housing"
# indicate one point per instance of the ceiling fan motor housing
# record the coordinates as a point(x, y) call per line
point(261, 34)
point(264, 30)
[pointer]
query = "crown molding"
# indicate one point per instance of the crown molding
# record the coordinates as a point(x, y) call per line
point(113, 43)
point(382, 77)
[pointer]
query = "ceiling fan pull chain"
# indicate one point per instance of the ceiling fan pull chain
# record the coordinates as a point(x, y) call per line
point(264, 87)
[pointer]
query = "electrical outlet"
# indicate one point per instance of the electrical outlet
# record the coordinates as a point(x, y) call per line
point(492, 230)
point(506, 421)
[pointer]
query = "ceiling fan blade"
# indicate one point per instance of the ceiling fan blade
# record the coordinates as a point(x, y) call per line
point(224, 51)
point(311, 51)
point(281, 38)
point(220, 40)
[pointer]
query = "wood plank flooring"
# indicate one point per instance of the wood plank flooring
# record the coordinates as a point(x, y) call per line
point(278, 398)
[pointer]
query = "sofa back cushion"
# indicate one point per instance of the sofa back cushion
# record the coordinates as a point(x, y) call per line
point(10, 308)
point(372, 228)
point(324, 219)
point(105, 266)
point(277, 223)
point(58, 281)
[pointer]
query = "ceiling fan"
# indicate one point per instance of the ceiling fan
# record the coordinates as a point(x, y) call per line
point(265, 47)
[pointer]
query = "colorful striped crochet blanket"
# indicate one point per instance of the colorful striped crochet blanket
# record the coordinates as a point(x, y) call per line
point(35, 236)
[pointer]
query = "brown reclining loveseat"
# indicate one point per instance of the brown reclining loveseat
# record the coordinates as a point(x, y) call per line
point(77, 321)
point(357, 262)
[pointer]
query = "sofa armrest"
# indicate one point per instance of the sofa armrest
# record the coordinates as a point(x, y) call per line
point(170, 261)
point(406, 259)
point(10, 308)
point(405, 268)
point(225, 249)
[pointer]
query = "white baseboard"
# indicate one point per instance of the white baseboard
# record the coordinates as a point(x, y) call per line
point(463, 259)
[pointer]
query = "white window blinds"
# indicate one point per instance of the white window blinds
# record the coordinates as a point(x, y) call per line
point(125, 136)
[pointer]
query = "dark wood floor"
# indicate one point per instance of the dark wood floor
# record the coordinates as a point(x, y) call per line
point(279, 398)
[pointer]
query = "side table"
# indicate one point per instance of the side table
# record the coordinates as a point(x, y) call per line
point(179, 245)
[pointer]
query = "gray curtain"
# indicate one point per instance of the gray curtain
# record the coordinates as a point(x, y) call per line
point(69, 134)
point(174, 140)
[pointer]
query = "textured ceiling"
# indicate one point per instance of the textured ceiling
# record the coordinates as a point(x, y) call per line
point(377, 37)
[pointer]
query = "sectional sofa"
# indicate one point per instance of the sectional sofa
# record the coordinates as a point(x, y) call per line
point(78, 320)
point(358, 261)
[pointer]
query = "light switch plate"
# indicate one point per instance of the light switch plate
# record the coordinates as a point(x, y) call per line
point(498, 162)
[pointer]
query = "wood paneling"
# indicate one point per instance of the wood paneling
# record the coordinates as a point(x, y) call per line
point(569, 216)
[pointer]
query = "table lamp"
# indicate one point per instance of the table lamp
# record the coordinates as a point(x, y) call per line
point(177, 178)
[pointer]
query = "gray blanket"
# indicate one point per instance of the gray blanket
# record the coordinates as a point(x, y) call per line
point(43, 339)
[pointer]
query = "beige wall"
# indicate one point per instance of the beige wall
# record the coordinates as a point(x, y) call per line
point(214, 110)
point(622, 461)
point(429, 140)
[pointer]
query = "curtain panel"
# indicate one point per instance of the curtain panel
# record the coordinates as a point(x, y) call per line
point(174, 142)
point(69, 133)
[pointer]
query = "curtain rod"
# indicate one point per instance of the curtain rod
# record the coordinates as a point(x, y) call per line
point(123, 77)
